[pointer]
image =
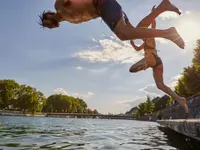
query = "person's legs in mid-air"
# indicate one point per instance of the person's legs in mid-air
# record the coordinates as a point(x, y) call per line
point(149, 59)
point(138, 66)
point(112, 13)
point(143, 64)
point(125, 30)
point(158, 77)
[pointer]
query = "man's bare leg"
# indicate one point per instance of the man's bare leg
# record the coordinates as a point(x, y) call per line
point(144, 23)
point(164, 6)
point(128, 32)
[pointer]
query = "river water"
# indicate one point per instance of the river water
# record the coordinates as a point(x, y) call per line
point(83, 134)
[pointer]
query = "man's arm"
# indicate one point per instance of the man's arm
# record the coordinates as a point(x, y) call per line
point(137, 48)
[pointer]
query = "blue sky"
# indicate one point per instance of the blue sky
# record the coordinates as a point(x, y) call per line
point(87, 60)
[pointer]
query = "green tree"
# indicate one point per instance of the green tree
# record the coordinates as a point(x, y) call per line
point(89, 111)
point(191, 80)
point(42, 101)
point(171, 101)
point(159, 115)
point(64, 103)
point(189, 83)
point(181, 89)
point(29, 99)
point(83, 104)
point(8, 90)
point(142, 109)
point(196, 60)
point(74, 105)
point(136, 115)
point(149, 105)
point(54, 103)
point(95, 112)
point(162, 102)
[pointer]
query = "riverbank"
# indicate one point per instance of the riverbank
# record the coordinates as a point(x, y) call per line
point(67, 115)
point(187, 127)
point(18, 113)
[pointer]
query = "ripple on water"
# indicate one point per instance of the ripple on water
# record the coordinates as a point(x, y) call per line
point(84, 134)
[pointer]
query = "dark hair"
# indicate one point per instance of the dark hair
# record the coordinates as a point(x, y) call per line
point(43, 16)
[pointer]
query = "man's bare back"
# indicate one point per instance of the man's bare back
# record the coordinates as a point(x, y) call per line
point(76, 11)
point(79, 11)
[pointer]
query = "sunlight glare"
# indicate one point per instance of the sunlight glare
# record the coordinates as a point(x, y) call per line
point(189, 30)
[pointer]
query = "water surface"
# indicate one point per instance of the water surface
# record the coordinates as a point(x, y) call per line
point(80, 134)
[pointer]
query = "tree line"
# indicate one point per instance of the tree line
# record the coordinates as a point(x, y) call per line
point(150, 106)
point(14, 96)
point(189, 82)
point(188, 85)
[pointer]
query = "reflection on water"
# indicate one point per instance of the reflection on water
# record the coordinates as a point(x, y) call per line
point(83, 134)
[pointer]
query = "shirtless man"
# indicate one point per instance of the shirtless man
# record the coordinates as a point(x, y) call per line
point(151, 59)
point(79, 11)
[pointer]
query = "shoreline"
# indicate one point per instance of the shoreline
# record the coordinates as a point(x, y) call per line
point(21, 114)
point(70, 115)
point(44, 115)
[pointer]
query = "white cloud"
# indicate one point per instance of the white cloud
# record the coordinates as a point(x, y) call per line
point(98, 71)
point(175, 78)
point(162, 40)
point(78, 95)
point(113, 50)
point(132, 103)
point(188, 12)
point(79, 68)
point(168, 15)
point(174, 81)
point(151, 90)
point(94, 40)
point(90, 93)
point(171, 15)
point(60, 91)
point(83, 95)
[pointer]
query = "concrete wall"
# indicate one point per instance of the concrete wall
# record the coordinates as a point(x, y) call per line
point(189, 127)
point(177, 112)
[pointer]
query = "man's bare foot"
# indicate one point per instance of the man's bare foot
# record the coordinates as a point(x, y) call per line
point(175, 37)
point(166, 5)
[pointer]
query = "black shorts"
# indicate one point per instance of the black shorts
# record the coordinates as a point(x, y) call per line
point(158, 60)
point(111, 12)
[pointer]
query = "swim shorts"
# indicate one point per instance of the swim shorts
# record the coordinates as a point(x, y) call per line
point(158, 60)
point(139, 65)
point(110, 11)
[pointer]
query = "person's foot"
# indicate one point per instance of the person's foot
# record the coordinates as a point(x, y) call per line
point(175, 37)
point(184, 103)
point(166, 5)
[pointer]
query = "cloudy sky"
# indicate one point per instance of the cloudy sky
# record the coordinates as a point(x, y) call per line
point(87, 60)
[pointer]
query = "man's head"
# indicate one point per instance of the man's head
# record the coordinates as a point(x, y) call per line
point(49, 19)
